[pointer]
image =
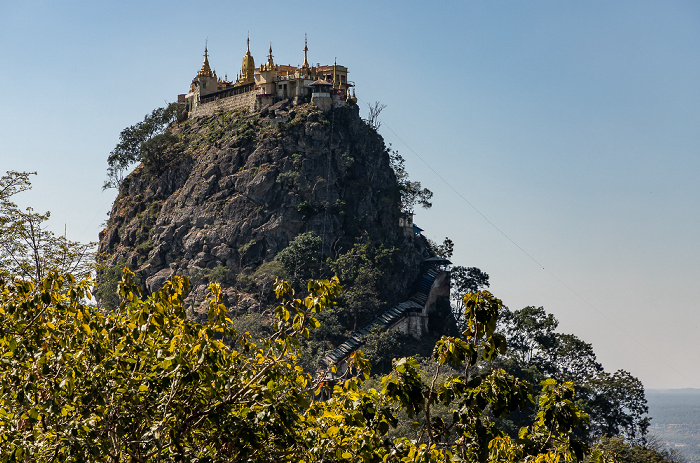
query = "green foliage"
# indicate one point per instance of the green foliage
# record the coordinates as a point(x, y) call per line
point(464, 280)
point(144, 383)
point(347, 159)
point(652, 451)
point(530, 334)
point(158, 151)
point(245, 128)
point(145, 141)
point(467, 280)
point(363, 270)
point(412, 193)
point(247, 246)
point(443, 250)
point(254, 324)
point(106, 293)
point(472, 397)
point(219, 274)
point(618, 406)
point(145, 247)
point(307, 209)
point(615, 402)
point(290, 177)
point(265, 276)
point(27, 249)
point(382, 346)
point(302, 257)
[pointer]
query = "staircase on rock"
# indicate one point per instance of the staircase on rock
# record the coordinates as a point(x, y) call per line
point(415, 303)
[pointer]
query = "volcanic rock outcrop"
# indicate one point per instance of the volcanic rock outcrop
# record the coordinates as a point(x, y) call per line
point(232, 190)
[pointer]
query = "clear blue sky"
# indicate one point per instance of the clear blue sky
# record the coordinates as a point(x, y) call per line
point(571, 127)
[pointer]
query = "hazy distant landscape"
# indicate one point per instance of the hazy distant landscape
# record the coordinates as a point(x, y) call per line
point(676, 419)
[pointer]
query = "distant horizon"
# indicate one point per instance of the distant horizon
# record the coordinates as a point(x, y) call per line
point(685, 389)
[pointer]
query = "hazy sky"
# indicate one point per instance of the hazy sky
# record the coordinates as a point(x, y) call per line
point(561, 139)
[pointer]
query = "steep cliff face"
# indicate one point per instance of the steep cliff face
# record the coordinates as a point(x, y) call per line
point(232, 190)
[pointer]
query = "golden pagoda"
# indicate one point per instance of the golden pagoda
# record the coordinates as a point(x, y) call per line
point(323, 86)
point(247, 68)
point(206, 69)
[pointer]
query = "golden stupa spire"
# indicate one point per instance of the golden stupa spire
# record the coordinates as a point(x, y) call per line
point(248, 67)
point(206, 69)
point(306, 49)
point(335, 64)
point(270, 65)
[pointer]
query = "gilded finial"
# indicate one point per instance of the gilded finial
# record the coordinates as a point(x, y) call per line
point(248, 67)
point(270, 62)
point(306, 49)
point(206, 69)
point(335, 63)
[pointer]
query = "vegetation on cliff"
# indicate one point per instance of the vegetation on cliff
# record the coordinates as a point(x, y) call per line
point(243, 197)
point(233, 190)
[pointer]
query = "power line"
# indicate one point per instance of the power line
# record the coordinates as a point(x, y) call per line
point(512, 241)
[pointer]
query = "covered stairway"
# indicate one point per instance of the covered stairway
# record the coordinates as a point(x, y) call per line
point(415, 303)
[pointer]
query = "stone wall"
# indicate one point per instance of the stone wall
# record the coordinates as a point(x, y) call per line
point(244, 100)
point(414, 323)
point(417, 324)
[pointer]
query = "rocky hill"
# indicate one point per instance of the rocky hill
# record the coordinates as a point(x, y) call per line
point(225, 194)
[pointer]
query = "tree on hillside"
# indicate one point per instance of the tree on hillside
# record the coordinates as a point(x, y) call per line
point(363, 270)
point(530, 334)
point(373, 112)
point(412, 192)
point(653, 451)
point(443, 250)
point(145, 384)
point(618, 406)
point(144, 141)
point(616, 402)
point(302, 257)
point(27, 249)
point(464, 280)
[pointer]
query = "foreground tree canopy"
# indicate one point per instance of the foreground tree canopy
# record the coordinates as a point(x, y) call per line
point(144, 383)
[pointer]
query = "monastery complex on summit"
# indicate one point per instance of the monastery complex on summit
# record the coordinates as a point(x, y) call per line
point(255, 87)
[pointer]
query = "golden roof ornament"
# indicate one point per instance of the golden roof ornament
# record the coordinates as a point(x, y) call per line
point(335, 83)
point(247, 68)
point(306, 49)
point(270, 63)
point(206, 69)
